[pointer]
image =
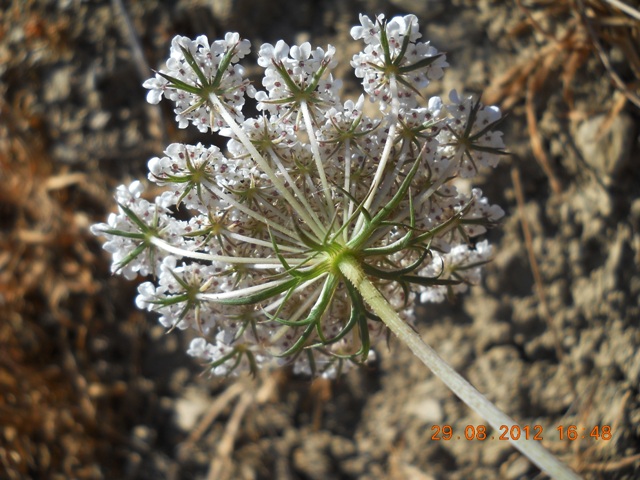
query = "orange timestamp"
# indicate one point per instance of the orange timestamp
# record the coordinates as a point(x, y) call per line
point(516, 432)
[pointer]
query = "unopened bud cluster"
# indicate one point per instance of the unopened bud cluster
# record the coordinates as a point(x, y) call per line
point(245, 244)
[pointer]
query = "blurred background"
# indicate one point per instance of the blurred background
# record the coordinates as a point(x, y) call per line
point(91, 388)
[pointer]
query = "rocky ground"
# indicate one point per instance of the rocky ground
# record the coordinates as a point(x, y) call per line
point(92, 388)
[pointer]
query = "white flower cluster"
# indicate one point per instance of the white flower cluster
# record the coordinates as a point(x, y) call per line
point(289, 71)
point(393, 64)
point(245, 245)
point(193, 66)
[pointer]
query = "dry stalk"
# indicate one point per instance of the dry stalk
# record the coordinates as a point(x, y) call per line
point(604, 57)
point(216, 408)
point(613, 466)
point(221, 463)
point(535, 270)
point(592, 27)
point(536, 141)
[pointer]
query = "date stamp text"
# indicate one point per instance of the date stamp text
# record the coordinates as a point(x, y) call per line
point(515, 432)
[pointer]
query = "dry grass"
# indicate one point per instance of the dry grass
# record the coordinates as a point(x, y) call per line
point(570, 33)
point(48, 408)
point(47, 418)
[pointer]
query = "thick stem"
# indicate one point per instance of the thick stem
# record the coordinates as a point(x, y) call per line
point(532, 449)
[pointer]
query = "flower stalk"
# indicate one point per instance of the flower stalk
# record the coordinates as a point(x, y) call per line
point(541, 457)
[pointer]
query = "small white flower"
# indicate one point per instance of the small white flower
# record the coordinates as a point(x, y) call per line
point(367, 30)
point(198, 348)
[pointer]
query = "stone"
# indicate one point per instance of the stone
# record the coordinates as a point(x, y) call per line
point(606, 152)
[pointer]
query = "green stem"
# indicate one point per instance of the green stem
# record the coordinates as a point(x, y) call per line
point(386, 153)
point(532, 449)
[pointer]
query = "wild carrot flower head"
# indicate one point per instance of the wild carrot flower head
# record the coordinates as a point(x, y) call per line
point(246, 245)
